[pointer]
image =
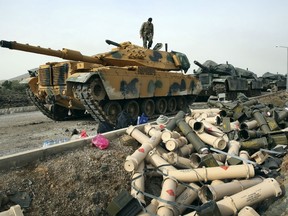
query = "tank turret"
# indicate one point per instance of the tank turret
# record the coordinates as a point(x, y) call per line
point(225, 78)
point(129, 77)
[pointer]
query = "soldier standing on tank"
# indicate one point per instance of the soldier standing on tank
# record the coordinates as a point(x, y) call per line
point(146, 33)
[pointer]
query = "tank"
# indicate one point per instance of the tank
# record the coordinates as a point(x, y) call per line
point(128, 77)
point(225, 78)
point(255, 85)
point(272, 80)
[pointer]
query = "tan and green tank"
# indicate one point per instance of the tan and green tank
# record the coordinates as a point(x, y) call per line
point(128, 77)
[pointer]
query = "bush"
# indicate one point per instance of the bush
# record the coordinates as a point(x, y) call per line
point(14, 86)
point(13, 94)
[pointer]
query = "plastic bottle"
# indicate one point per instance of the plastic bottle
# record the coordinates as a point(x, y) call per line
point(50, 142)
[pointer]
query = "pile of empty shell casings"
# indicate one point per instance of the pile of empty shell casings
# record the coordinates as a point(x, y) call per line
point(221, 160)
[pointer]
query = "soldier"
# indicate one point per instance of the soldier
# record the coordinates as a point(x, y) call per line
point(147, 32)
point(274, 88)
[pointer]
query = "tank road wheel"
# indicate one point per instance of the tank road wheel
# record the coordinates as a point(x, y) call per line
point(148, 107)
point(132, 108)
point(97, 90)
point(181, 103)
point(112, 109)
point(161, 105)
point(172, 105)
point(219, 88)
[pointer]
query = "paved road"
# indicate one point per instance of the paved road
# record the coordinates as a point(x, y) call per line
point(27, 130)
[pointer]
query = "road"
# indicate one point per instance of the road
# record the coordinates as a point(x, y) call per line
point(28, 130)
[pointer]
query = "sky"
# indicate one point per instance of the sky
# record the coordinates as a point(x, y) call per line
point(243, 33)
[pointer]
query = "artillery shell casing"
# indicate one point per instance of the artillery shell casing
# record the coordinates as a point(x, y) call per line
point(199, 146)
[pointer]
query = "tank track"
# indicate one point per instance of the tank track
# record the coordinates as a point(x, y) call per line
point(39, 104)
point(83, 93)
point(91, 105)
point(49, 113)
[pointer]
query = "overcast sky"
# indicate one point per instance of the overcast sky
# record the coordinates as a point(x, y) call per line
point(244, 33)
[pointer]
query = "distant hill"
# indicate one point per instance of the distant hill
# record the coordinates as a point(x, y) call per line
point(21, 77)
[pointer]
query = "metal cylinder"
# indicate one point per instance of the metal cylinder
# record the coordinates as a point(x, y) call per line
point(150, 209)
point(172, 123)
point(166, 135)
point(245, 155)
point(219, 157)
point(198, 127)
point(190, 121)
point(186, 150)
point(249, 125)
point(168, 193)
point(216, 142)
point(151, 129)
point(212, 173)
point(199, 146)
point(248, 211)
point(246, 134)
point(132, 161)
point(173, 144)
point(138, 183)
point(197, 159)
point(250, 102)
point(261, 121)
point(208, 192)
point(255, 143)
point(157, 161)
point(187, 197)
point(233, 149)
point(137, 134)
point(213, 130)
point(279, 116)
point(215, 120)
point(226, 113)
point(255, 194)
point(212, 111)
point(278, 138)
point(177, 161)
point(216, 182)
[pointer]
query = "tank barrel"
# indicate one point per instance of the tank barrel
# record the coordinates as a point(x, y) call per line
point(5, 44)
point(64, 53)
point(112, 43)
point(201, 66)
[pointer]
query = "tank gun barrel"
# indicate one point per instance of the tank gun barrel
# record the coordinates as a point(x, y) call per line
point(201, 66)
point(64, 53)
point(113, 43)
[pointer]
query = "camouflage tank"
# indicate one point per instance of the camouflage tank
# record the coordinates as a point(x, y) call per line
point(128, 77)
point(225, 78)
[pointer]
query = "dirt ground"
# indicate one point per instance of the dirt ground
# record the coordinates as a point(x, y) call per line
point(73, 183)
point(79, 182)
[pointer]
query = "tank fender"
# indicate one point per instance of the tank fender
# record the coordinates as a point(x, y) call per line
point(218, 81)
point(81, 77)
point(27, 80)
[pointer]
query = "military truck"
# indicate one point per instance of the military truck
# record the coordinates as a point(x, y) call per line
point(128, 77)
point(225, 78)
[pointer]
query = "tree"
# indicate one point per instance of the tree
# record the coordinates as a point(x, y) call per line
point(7, 84)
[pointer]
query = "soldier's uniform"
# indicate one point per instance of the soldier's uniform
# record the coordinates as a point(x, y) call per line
point(147, 32)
